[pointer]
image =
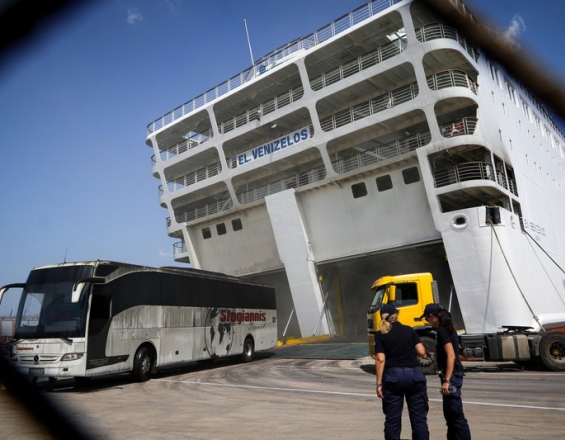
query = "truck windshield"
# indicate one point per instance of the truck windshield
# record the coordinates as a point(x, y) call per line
point(378, 300)
point(46, 309)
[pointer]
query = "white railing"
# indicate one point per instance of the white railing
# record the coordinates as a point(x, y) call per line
point(250, 195)
point(467, 171)
point(192, 140)
point(192, 178)
point(179, 248)
point(204, 210)
point(451, 78)
point(361, 63)
point(276, 57)
point(434, 31)
point(264, 108)
point(381, 152)
point(368, 108)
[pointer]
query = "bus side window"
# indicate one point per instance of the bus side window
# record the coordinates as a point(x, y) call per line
point(99, 313)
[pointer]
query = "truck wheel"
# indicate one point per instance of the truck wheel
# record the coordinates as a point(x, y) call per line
point(248, 350)
point(142, 364)
point(428, 364)
point(552, 351)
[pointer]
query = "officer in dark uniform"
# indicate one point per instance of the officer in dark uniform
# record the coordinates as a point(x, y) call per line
point(399, 376)
point(450, 371)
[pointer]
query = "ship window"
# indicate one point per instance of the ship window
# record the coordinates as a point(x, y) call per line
point(221, 228)
point(236, 224)
point(384, 183)
point(359, 190)
point(511, 91)
point(494, 73)
point(206, 233)
point(411, 175)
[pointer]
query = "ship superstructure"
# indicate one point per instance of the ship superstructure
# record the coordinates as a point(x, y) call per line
point(381, 143)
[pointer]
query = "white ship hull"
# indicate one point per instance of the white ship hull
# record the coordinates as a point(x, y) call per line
point(374, 149)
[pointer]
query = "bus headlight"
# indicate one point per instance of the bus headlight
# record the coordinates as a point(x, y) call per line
point(72, 356)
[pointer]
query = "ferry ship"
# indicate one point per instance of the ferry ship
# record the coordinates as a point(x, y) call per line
point(382, 143)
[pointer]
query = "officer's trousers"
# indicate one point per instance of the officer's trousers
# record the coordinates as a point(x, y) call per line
point(409, 384)
point(457, 426)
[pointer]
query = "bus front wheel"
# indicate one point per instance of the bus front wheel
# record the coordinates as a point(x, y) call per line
point(142, 364)
point(248, 350)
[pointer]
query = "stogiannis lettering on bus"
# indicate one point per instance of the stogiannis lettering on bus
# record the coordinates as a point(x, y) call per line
point(239, 317)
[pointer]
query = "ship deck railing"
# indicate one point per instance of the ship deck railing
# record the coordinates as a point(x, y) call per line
point(246, 194)
point(296, 181)
point(428, 32)
point(192, 140)
point(468, 171)
point(371, 107)
point(444, 79)
point(262, 109)
point(451, 78)
point(381, 152)
point(274, 58)
point(435, 31)
point(204, 210)
point(192, 178)
point(179, 248)
point(357, 65)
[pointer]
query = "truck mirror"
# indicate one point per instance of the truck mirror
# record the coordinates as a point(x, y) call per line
point(391, 293)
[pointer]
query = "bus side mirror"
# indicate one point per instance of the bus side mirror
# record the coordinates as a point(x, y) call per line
point(3, 289)
point(79, 285)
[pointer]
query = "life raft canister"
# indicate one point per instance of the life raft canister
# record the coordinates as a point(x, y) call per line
point(455, 129)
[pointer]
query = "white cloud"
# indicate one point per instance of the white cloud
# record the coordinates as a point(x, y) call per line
point(173, 5)
point(134, 16)
point(516, 28)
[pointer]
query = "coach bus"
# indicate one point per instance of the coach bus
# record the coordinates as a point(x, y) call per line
point(86, 319)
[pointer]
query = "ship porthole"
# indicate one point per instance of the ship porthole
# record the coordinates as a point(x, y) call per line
point(459, 221)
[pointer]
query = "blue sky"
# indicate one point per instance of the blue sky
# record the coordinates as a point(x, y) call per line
point(75, 173)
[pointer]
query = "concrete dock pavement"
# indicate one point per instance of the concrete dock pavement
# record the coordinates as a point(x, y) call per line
point(286, 394)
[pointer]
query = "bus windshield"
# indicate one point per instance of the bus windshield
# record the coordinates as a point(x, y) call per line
point(46, 309)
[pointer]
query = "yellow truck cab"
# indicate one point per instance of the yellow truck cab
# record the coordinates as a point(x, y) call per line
point(410, 293)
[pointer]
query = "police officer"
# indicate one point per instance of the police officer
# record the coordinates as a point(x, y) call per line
point(451, 371)
point(399, 376)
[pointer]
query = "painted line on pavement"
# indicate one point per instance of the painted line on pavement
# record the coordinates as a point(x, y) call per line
point(339, 393)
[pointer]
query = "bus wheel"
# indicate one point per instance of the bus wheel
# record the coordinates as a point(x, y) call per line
point(429, 363)
point(552, 351)
point(142, 365)
point(248, 350)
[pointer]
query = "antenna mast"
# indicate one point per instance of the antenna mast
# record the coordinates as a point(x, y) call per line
point(249, 42)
